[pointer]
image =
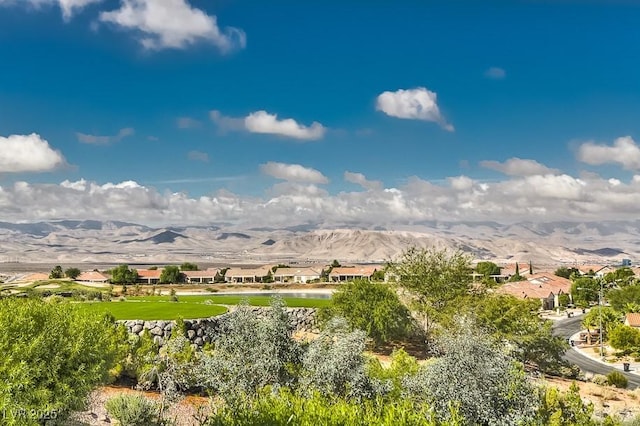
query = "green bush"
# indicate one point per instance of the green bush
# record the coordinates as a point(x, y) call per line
point(133, 410)
point(600, 379)
point(372, 307)
point(287, 408)
point(53, 355)
point(617, 379)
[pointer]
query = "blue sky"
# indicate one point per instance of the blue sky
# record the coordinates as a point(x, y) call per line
point(422, 110)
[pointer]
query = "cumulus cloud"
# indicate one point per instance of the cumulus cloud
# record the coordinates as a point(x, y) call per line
point(293, 172)
point(68, 7)
point(414, 104)
point(623, 151)
point(104, 140)
point(263, 122)
point(198, 156)
point(173, 24)
point(27, 153)
point(266, 123)
point(299, 200)
point(518, 167)
point(495, 73)
point(360, 179)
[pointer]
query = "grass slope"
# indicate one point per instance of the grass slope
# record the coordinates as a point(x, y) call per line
point(155, 310)
point(292, 302)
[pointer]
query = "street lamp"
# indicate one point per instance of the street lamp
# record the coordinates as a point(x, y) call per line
point(599, 316)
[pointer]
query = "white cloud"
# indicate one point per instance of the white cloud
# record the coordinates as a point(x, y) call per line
point(173, 24)
point(624, 151)
point(495, 73)
point(104, 140)
point(360, 179)
point(414, 104)
point(293, 172)
point(299, 200)
point(27, 153)
point(263, 122)
point(198, 156)
point(518, 167)
point(187, 123)
point(68, 7)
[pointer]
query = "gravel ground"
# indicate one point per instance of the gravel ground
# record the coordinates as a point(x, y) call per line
point(185, 412)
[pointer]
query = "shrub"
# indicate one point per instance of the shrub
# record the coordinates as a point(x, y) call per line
point(600, 379)
point(133, 410)
point(372, 307)
point(617, 379)
point(53, 356)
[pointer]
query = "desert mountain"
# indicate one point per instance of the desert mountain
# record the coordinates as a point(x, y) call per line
point(97, 241)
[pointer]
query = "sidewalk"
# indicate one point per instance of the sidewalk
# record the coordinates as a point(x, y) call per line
point(589, 352)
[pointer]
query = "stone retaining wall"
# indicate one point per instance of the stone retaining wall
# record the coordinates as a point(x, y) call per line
point(204, 330)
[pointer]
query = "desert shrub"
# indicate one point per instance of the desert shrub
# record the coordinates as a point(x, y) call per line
point(372, 307)
point(53, 356)
point(600, 379)
point(617, 379)
point(563, 408)
point(133, 410)
point(402, 366)
point(334, 363)
point(475, 375)
point(251, 353)
point(287, 408)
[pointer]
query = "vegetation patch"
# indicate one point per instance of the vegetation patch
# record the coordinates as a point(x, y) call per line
point(154, 310)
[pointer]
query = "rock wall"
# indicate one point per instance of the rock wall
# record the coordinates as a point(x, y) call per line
point(204, 330)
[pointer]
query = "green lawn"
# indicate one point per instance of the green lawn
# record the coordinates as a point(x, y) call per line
point(292, 302)
point(155, 310)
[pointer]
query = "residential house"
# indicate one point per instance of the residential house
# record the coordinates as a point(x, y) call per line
point(246, 275)
point(544, 286)
point(509, 270)
point(149, 276)
point(350, 273)
point(632, 320)
point(92, 277)
point(201, 277)
point(597, 271)
point(296, 275)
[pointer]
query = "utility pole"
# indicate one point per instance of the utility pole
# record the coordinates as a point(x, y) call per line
point(600, 312)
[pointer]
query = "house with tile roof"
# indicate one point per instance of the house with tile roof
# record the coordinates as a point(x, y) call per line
point(149, 276)
point(201, 277)
point(296, 275)
point(246, 275)
point(632, 320)
point(92, 277)
point(350, 273)
point(543, 286)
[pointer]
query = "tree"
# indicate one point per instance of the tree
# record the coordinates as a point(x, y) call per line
point(56, 273)
point(121, 274)
point(516, 277)
point(171, 275)
point(564, 409)
point(335, 263)
point(477, 377)
point(186, 266)
point(72, 273)
point(516, 322)
point(487, 269)
point(624, 299)
point(621, 277)
point(435, 277)
point(585, 290)
point(565, 272)
point(373, 308)
point(54, 355)
point(625, 338)
point(610, 320)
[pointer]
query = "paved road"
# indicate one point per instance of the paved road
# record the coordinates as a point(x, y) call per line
point(567, 328)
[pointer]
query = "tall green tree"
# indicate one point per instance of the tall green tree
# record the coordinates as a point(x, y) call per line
point(72, 273)
point(621, 277)
point(186, 266)
point(624, 299)
point(372, 307)
point(56, 273)
point(171, 275)
point(565, 272)
point(585, 290)
point(516, 322)
point(53, 356)
point(487, 268)
point(435, 277)
point(610, 319)
point(121, 274)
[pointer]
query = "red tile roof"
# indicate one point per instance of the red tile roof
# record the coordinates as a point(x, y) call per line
point(633, 320)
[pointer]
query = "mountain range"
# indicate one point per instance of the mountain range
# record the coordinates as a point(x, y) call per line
point(91, 241)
